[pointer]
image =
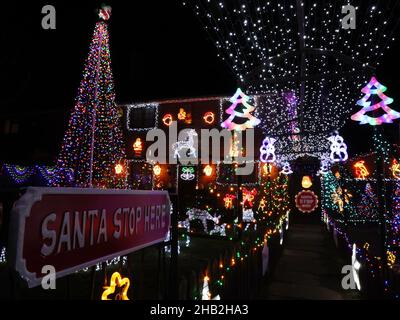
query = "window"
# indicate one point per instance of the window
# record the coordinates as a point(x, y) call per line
point(142, 117)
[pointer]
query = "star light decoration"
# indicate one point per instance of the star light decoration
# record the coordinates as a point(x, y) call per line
point(117, 282)
point(302, 67)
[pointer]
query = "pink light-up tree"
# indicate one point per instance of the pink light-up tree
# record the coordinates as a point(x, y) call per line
point(234, 112)
point(372, 89)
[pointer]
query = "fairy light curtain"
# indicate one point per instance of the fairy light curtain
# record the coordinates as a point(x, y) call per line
point(296, 55)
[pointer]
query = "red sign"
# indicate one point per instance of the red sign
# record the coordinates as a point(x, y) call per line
point(307, 201)
point(72, 229)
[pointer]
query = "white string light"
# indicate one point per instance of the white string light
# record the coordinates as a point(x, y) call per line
point(304, 68)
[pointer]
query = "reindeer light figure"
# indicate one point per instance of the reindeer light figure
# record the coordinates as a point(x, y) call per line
point(203, 216)
point(189, 144)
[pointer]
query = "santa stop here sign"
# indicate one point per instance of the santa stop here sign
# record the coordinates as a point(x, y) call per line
point(307, 201)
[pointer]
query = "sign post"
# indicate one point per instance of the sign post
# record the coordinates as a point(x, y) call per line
point(307, 201)
point(73, 229)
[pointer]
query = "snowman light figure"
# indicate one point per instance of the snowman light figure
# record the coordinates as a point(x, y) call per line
point(268, 151)
point(338, 149)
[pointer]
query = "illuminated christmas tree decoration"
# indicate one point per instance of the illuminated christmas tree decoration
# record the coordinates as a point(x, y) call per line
point(182, 114)
point(361, 170)
point(94, 143)
point(375, 88)
point(338, 149)
point(367, 208)
point(268, 151)
point(188, 174)
point(157, 170)
point(395, 169)
point(307, 182)
point(117, 282)
point(138, 147)
point(229, 201)
point(209, 118)
point(168, 119)
point(240, 98)
point(208, 171)
point(287, 169)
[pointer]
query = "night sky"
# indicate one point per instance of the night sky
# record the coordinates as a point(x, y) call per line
point(159, 50)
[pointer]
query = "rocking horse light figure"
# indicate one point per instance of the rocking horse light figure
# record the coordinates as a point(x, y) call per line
point(188, 145)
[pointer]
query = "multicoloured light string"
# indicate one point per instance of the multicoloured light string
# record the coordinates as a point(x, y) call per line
point(93, 144)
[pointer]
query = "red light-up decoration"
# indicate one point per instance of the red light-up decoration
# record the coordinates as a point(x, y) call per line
point(249, 196)
point(119, 169)
point(138, 147)
point(168, 119)
point(209, 118)
point(361, 170)
point(395, 169)
point(182, 114)
point(229, 201)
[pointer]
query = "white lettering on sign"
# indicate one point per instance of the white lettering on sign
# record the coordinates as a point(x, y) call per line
point(89, 228)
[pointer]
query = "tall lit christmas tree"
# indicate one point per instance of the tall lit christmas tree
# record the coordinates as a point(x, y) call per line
point(93, 146)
